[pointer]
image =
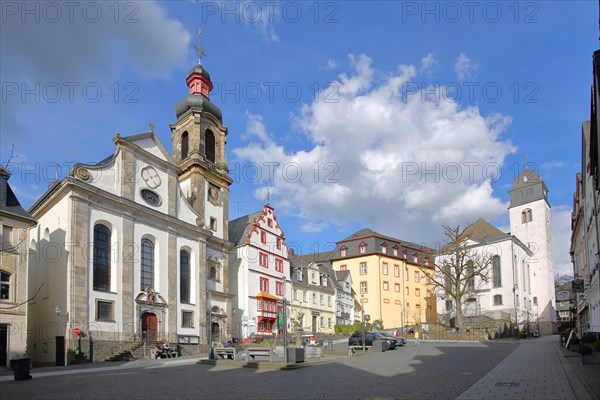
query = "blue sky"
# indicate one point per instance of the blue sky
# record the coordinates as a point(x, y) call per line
point(388, 115)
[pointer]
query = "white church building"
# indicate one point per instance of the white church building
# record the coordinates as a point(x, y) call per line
point(133, 250)
point(520, 284)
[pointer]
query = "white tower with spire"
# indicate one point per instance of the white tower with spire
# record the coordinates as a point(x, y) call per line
point(529, 214)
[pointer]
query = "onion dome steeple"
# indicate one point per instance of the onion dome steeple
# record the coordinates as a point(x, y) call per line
point(200, 85)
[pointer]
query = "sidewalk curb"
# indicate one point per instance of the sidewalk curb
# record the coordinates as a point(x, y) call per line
point(579, 387)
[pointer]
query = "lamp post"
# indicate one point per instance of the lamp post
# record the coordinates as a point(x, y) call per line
point(284, 324)
point(364, 335)
point(209, 324)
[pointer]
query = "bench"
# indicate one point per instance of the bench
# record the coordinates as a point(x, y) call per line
point(261, 352)
point(226, 353)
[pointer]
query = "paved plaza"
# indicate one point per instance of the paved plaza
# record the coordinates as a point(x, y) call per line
point(528, 369)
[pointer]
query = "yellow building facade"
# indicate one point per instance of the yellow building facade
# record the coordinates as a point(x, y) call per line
point(390, 277)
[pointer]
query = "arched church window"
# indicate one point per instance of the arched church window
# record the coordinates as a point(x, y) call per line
point(184, 277)
point(101, 262)
point(147, 275)
point(496, 271)
point(184, 145)
point(210, 148)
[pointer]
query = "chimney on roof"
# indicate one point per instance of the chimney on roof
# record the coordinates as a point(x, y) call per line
point(4, 175)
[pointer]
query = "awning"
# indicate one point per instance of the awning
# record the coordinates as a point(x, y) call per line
point(266, 295)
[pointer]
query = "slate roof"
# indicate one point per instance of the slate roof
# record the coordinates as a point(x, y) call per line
point(532, 178)
point(239, 228)
point(367, 232)
point(483, 231)
point(9, 204)
point(321, 257)
point(341, 275)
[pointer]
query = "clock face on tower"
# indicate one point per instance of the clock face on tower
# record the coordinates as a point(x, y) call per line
point(150, 176)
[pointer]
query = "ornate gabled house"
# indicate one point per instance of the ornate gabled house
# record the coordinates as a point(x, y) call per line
point(133, 249)
point(14, 230)
point(259, 273)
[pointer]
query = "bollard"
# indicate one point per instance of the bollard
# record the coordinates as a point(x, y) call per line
point(330, 345)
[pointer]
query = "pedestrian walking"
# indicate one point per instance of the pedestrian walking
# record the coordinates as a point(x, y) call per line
point(425, 335)
point(416, 338)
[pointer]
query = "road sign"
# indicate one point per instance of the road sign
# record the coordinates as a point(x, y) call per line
point(76, 331)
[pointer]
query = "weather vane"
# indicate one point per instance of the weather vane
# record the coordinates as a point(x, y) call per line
point(198, 46)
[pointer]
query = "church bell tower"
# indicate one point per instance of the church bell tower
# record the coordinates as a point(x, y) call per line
point(529, 214)
point(199, 139)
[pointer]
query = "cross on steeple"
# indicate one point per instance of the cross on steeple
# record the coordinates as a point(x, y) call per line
point(198, 47)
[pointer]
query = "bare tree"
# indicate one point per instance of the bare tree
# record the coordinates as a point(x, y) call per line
point(460, 268)
point(560, 280)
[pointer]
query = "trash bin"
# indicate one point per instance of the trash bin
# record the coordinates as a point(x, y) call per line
point(21, 369)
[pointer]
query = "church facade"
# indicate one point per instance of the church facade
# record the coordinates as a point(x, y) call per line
point(519, 284)
point(133, 250)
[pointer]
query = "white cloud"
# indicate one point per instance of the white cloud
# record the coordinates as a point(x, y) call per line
point(92, 44)
point(401, 166)
point(561, 239)
point(331, 64)
point(144, 37)
point(429, 64)
point(464, 68)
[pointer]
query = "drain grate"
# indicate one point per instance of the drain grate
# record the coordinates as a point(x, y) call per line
point(508, 384)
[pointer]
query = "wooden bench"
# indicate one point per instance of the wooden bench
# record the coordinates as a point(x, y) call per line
point(261, 352)
point(226, 353)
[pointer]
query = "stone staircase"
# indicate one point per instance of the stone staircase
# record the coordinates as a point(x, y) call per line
point(128, 351)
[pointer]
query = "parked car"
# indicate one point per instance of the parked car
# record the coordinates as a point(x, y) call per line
point(398, 341)
point(357, 340)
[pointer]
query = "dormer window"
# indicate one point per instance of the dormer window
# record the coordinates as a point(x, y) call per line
point(343, 251)
point(323, 280)
point(299, 275)
point(362, 249)
point(415, 258)
point(384, 248)
point(395, 250)
point(405, 254)
point(427, 261)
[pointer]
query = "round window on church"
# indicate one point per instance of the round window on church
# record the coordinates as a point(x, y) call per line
point(150, 197)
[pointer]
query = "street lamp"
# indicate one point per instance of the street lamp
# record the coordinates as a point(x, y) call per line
point(284, 323)
point(364, 334)
point(209, 324)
